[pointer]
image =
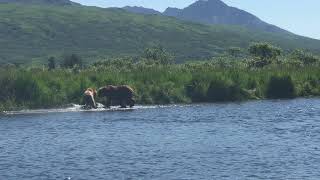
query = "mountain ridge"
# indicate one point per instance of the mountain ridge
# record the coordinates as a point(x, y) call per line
point(41, 2)
point(141, 10)
point(33, 33)
point(217, 12)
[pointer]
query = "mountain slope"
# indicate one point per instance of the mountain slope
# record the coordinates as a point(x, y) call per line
point(41, 2)
point(141, 10)
point(174, 12)
point(29, 33)
point(217, 12)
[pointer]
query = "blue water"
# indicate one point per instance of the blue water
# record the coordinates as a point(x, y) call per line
point(251, 140)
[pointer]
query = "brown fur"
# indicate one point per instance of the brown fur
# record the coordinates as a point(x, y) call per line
point(122, 94)
point(89, 98)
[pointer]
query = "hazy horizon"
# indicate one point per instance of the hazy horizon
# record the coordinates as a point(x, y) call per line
point(280, 13)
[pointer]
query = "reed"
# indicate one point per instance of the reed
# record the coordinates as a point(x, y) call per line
point(157, 84)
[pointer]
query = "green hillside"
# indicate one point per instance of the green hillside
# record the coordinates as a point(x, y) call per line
point(32, 33)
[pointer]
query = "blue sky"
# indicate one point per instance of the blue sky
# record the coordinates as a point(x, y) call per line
point(300, 17)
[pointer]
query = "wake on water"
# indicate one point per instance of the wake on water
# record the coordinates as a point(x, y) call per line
point(80, 108)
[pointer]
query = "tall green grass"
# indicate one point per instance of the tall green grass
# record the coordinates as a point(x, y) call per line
point(157, 84)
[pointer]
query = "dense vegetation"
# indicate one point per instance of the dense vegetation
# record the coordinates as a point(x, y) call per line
point(157, 80)
point(32, 33)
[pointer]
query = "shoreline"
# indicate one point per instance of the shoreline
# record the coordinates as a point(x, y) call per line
point(77, 108)
point(157, 84)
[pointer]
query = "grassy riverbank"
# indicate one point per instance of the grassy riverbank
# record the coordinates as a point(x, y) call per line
point(210, 81)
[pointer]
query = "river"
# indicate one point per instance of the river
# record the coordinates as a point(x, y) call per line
point(277, 139)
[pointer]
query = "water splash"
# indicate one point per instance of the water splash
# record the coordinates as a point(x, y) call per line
point(80, 108)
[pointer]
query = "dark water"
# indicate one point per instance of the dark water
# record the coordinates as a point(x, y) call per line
point(252, 140)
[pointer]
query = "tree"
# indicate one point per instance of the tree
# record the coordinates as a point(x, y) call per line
point(234, 51)
point(264, 51)
point(158, 55)
point(51, 63)
point(264, 54)
point(304, 57)
point(71, 61)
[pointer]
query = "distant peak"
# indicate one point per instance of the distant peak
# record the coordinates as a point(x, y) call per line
point(170, 11)
point(212, 2)
point(172, 8)
point(134, 7)
point(141, 10)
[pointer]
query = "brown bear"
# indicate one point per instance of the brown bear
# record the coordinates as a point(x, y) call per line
point(89, 100)
point(117, 94)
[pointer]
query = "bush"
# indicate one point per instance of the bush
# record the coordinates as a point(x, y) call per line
point(156, 83)
point(234, 51)
point(264, 51)
point(70, 61)
point(304, 57)
point(51, 63)
point(158, 55)
point(26, 89)
point(197, 89)
point(263, 54)
point(224, 90)
point(259, 63)
point(280, 87)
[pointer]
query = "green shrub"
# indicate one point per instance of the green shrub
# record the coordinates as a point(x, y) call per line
point(25, 89)
point(70, 61)
point(224, 90)
point(51, 63)
point(304, 57)
point(197, 89)
point(156, 83)
point(234, 51)
point(264, 51)
point(158, 55)
point(264, 54)
point(280, 87)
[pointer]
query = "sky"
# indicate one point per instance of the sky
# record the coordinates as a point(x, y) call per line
point(299, 17)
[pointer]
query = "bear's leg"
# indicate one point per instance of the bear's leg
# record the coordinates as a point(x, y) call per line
point(123, 103)
point(108, 103)
point(86, 102)
point(92, 103)
point(131, 102)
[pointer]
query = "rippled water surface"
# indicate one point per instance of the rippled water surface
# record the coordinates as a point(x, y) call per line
point(252, 140)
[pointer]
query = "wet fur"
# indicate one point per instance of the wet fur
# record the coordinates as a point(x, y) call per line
point(89, 98)
point(122, 95)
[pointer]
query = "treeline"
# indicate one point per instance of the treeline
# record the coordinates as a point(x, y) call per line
point(260, 73)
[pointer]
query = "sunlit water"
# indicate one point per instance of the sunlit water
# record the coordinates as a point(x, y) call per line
point(251, 140)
